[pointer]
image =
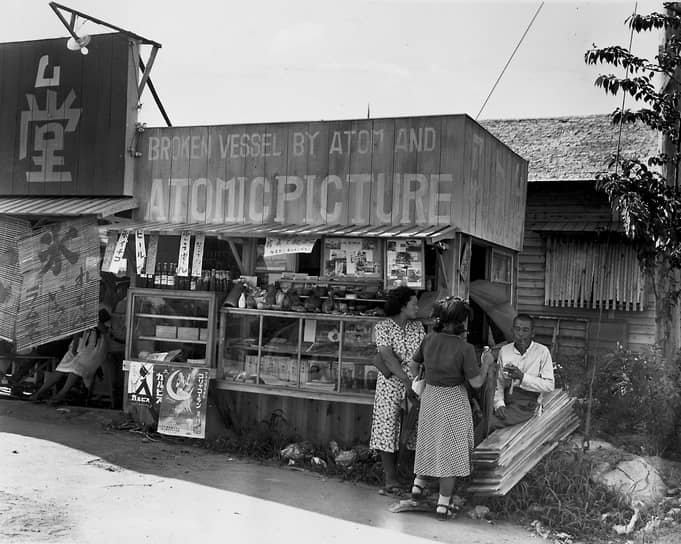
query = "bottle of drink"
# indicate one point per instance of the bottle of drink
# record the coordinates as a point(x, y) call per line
point(157, 276)
point(171, 276)
point(164, 276)
point(192, 283)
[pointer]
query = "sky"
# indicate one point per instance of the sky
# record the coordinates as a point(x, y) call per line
point(264, 61)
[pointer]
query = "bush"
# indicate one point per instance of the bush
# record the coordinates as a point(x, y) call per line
point(639, 392)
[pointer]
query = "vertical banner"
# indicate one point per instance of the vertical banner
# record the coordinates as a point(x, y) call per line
point(140, 251)
point(183, 256)
point(197, 261)
point(119, 253)
point(109, 251)
point(151, 254)
point(60, 282)
point(10, 273)
point(184, 400)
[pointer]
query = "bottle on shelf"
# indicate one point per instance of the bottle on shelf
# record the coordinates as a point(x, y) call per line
point(192, 283)
point(157, 276)
point(171, 276)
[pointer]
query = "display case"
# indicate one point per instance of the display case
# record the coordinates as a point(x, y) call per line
point(161, 321)
point(300, 354)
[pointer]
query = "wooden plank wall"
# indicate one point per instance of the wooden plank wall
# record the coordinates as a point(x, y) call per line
point(444, 170)
point(314, 420)
point(640, 324)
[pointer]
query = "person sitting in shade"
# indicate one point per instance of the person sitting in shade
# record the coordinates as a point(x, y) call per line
point(525, 371)
point(86, 353)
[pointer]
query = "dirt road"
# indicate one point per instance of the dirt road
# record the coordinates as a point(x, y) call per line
point(66, 479)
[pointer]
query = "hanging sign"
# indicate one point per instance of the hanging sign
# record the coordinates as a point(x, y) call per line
point(140, 251)
point(118, 257)
point(197, 260)
point(404, 264)
point(289, 244)
point(183, 256)
point(151, 254)
point(109, 251)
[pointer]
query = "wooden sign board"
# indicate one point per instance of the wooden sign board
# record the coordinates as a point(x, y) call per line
point(65, 117)
point(440, 170)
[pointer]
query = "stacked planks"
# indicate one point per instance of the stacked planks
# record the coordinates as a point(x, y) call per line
point(505, 456)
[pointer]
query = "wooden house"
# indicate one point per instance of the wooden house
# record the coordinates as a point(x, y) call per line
point(576, 272)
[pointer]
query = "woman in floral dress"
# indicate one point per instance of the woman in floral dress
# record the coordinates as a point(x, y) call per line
point(397, 339)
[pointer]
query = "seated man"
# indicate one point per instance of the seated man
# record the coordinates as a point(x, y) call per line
point(525, 371)
point(85, 355)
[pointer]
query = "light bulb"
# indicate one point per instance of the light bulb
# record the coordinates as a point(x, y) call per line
point(84, 50)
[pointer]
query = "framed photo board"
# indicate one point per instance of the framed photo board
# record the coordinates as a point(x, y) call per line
point(405, 263)
point(352, 258)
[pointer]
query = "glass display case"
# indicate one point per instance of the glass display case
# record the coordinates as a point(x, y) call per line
point(161, 321)
point(294, 351)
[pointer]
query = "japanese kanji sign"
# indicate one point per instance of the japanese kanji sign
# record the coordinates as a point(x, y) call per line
point(65, 119)
point(59, 266)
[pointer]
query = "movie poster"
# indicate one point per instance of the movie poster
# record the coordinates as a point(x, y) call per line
point(183, 396)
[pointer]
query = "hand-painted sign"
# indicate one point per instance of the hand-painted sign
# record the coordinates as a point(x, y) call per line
point(60, 282)
point(404, 171)
point(66, 124)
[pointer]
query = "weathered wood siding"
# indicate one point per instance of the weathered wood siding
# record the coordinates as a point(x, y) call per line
point(444, 170)
point(573, 204)
point(67, 119)
point(315, 420)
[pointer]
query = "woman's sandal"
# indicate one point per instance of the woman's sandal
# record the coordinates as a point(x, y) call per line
point(444, 512)
point(419, 493)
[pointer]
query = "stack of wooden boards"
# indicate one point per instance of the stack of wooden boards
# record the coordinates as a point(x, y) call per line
point(505, 456)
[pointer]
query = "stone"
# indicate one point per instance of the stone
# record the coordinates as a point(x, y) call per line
point(636, 480)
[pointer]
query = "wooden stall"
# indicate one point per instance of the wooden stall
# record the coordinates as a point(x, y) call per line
point(311, 224)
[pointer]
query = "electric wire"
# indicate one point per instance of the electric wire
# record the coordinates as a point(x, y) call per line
point(503, 70)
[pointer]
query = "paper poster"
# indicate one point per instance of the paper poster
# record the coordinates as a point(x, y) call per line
point(289, 244)
point(118, 257)
point(109, 251)
point(184, 401)
point(404, 264)
point(152, 251)
point(141, 383)
point(140, 251)
point(183, 256)
point(197, 260)
point(352, 258)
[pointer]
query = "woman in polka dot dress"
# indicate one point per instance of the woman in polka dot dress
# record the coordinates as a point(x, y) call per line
point(397, 338)
point(445, 438)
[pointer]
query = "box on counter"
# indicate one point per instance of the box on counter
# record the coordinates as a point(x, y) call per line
point(203, 334)
point(188, 333)
point(166, 331)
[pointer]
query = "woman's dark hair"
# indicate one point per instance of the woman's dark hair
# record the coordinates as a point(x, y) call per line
point(397, 299)
point(451, 310)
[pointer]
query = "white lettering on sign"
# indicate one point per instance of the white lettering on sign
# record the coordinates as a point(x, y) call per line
point(377, 198)
point(50, 124)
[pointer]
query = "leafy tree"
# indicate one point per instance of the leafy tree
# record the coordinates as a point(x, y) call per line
point(645, 191)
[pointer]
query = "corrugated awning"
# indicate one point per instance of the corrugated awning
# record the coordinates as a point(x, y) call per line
point(430, 232)
point(576, 226)
point(69, 206)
